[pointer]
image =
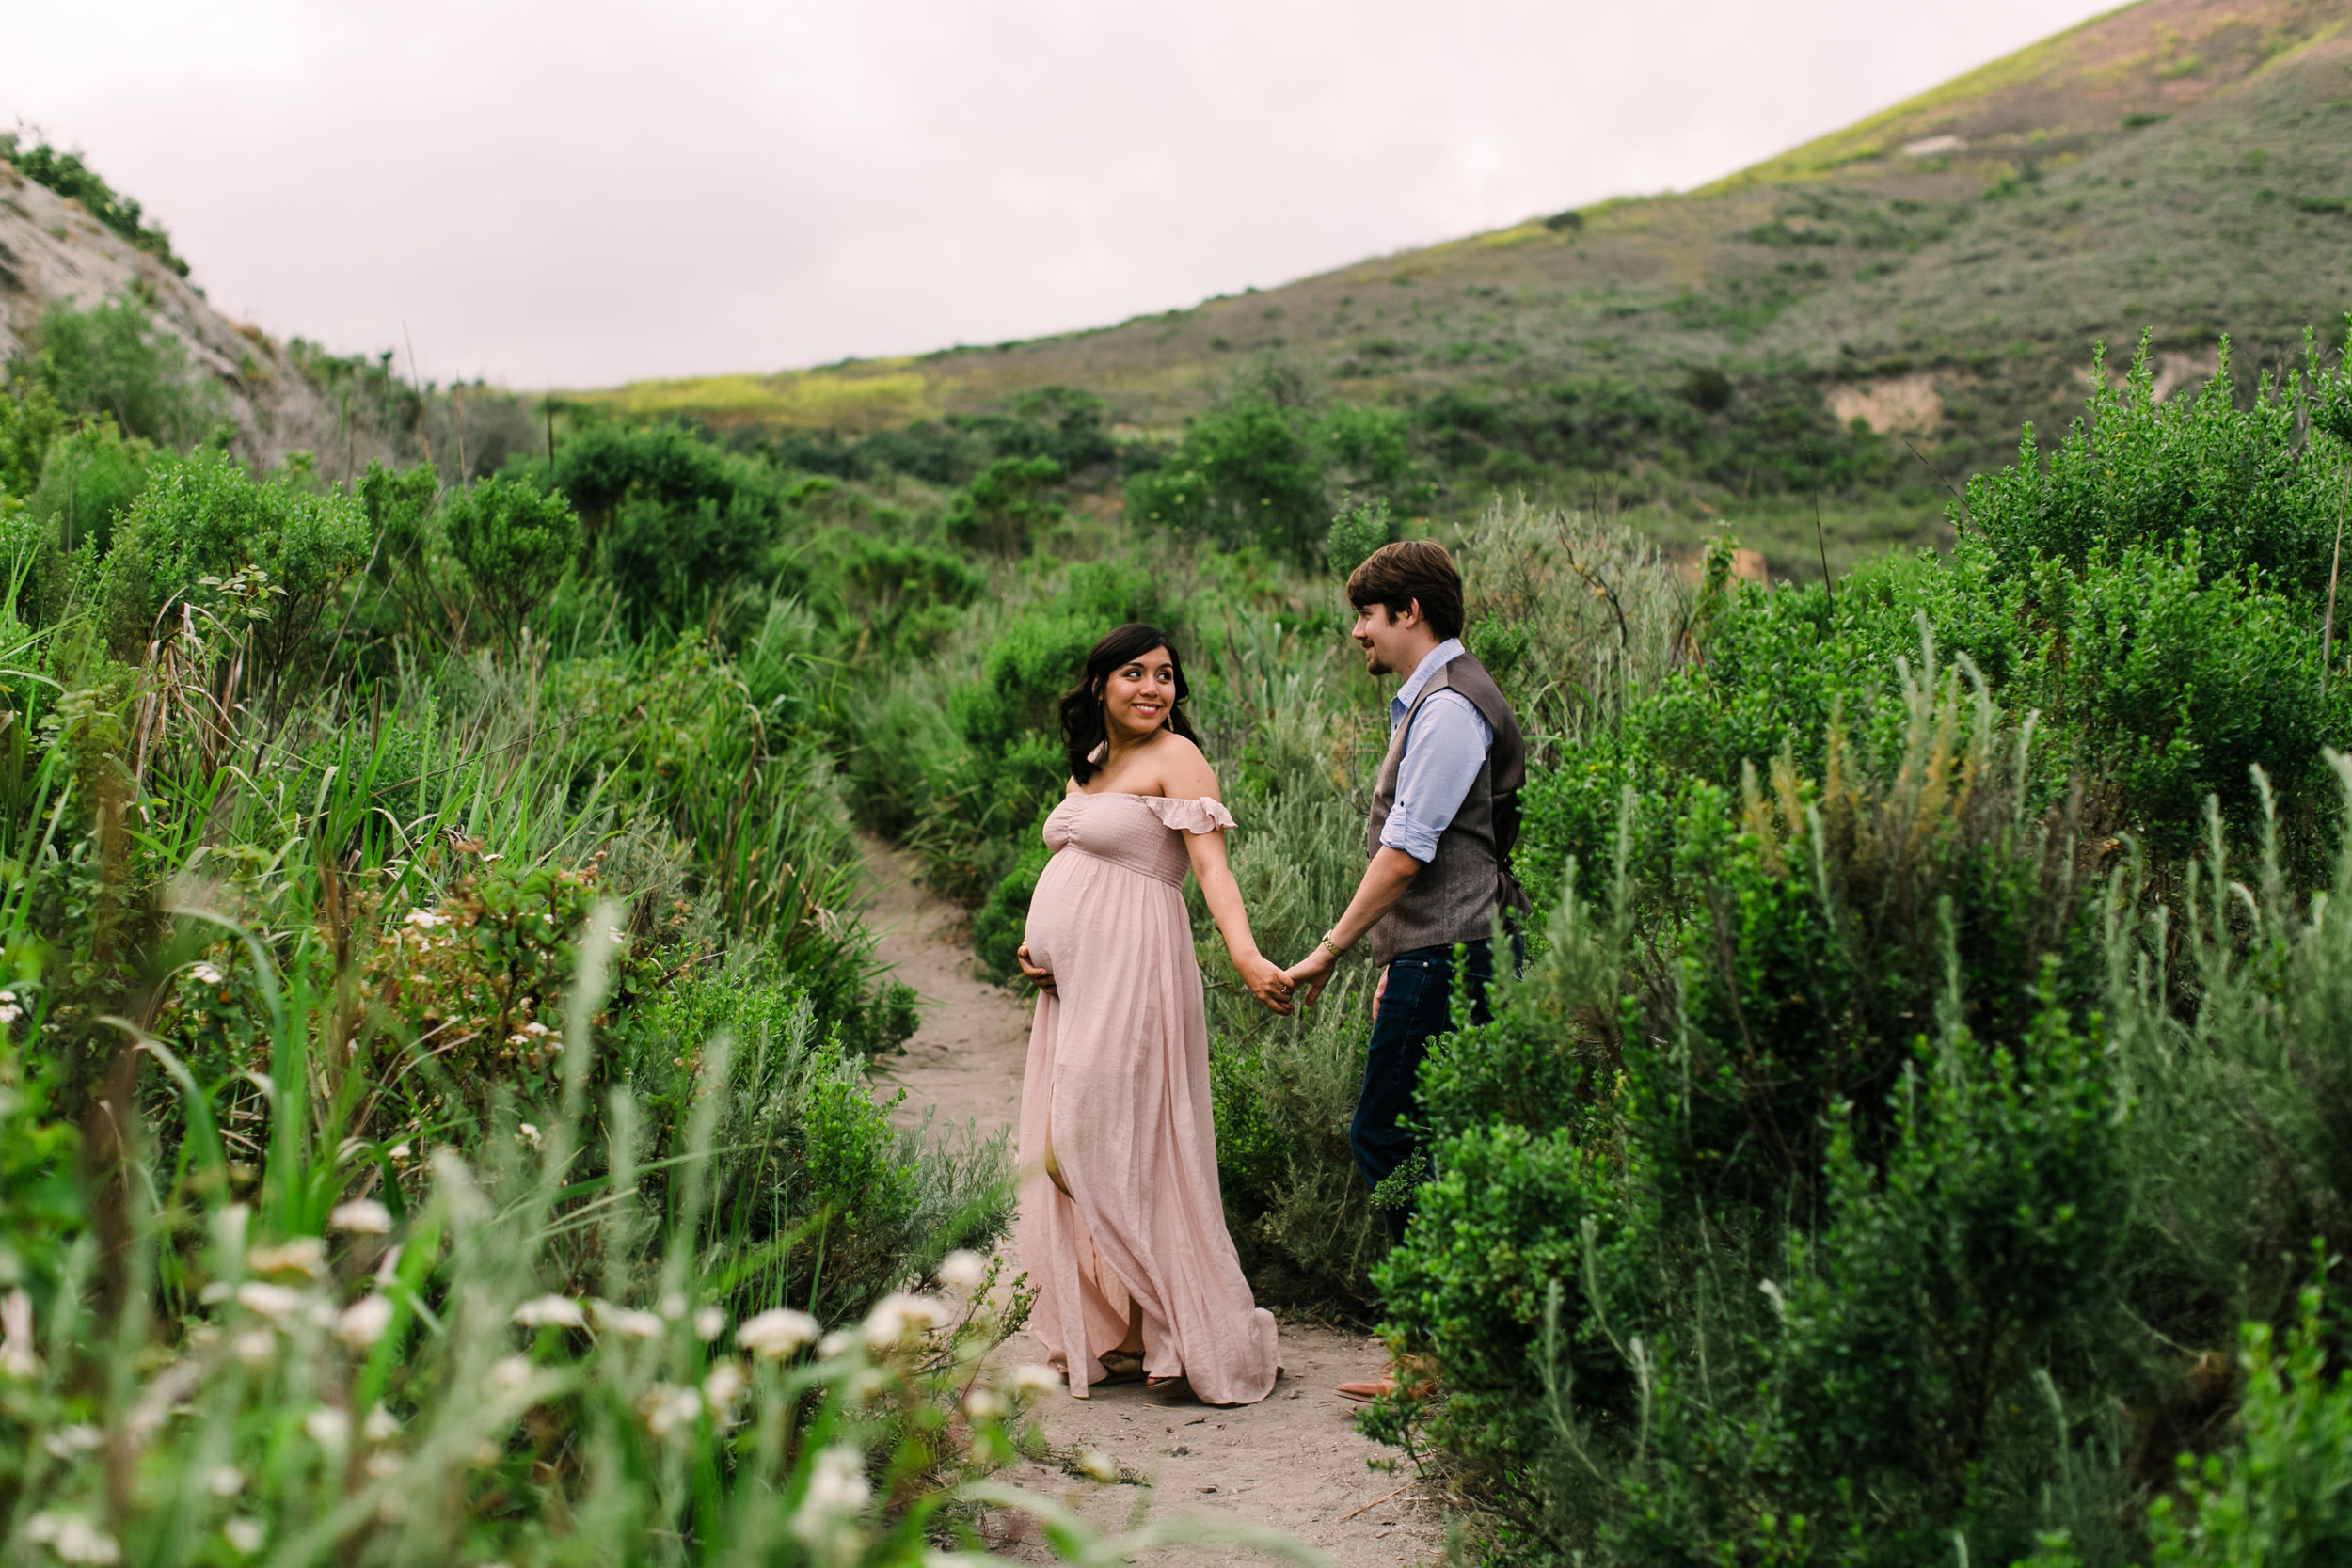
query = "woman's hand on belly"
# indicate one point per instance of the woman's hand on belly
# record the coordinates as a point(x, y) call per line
point(1042, 978)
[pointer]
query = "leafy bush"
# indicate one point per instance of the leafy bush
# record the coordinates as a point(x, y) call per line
point(1006, 507)
point(200, 517)
point(30, 419)
point(2254, 484)
point(2284, 1498)
point(67, 174)
point(111, 359)
point(894, 602)
point(677, 522)
point(90, 480)
point(514, 542)
point(1258, 470)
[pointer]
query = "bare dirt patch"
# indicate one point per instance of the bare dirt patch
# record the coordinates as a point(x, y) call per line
point(1895, 403)
point(1292, 1460)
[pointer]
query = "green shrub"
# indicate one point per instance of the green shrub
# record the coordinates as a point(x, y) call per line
point(2284, 1498)
point(2136, 471)
point(111, 359)
point(30, 419)
point(893, 603)
point(67, 174)
point(514, 542)
point(808, 1171)
point(679, 524)
point(1259, 469)
point(1006, 507)
point(673, 561)
point(88, 482)
point(1502, 1222)
point(202, 516)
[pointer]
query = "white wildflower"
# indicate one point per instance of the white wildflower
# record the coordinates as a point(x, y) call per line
point(364, 1215)
point(380, 1465)
point(552, 1311)
point(983, 1405)
point(82, 1542)
point(896, 1316)
point(304, 1254)
point(628, 1322)
point(74, 1538)
point(709, 1322)
point(364, 1320)
point(510, 1375)
point(963, 1268)
point(204, 974)
point(16, 1335)
point(721, 1386)
point(836, 1343)
point(673, 1306)
point(270, 1301)
point(837, 1490)
point(225, 1481)
point(527, 1134)
point(9, 1012)
point(381, 1425)
point(1101, 1466)
point(424, 920)
point(328, 1427)
point(243, 1534)
point(667, 1407)
point(70, 1440)
point(1032, 1377)
point(775, 1333)
point(400, 1151)
point(255, 1347)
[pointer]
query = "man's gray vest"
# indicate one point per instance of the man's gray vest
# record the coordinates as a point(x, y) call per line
point(1456, 895)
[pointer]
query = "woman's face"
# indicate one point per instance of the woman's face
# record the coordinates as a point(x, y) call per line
point(1139, 694)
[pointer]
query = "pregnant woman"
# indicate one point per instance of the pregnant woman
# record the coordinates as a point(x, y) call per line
point(1122, 1230)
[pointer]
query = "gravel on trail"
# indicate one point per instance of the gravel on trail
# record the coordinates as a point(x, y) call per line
point(1292, 1460)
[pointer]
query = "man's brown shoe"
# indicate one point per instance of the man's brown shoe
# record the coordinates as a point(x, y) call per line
point(1368, 1390)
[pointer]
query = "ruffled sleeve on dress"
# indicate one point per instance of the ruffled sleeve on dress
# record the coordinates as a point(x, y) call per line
point(1202, 816)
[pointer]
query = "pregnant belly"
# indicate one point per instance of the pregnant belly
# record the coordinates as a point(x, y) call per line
point(1083, 903)
point(1054, 920)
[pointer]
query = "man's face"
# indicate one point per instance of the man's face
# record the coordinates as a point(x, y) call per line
point(1387, 639)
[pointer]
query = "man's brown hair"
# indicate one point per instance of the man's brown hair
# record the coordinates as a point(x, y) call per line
point(1395, 575)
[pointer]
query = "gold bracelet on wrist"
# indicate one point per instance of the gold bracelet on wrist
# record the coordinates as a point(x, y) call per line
point(1337, 951)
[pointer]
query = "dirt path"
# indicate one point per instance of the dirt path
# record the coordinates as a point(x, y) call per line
point(1292, 1460)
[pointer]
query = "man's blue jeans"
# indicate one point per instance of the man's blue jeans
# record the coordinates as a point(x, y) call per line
point(1416, 1008)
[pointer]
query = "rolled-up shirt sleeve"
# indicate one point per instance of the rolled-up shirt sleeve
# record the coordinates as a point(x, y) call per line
point(1442, 755)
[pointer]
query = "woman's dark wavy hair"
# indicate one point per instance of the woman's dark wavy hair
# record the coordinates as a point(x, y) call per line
point(1082, 726)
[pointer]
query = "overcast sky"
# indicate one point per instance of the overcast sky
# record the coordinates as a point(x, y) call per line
point(581, 193)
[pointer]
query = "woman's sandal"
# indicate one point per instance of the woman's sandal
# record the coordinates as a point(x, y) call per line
point(1119, 1365)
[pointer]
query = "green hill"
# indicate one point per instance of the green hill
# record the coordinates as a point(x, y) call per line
point(1939, 271)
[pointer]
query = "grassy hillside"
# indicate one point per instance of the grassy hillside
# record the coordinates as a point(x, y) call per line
point(1939, 269)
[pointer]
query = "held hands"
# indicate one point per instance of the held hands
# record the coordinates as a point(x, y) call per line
point(1267, 982)
point(1314, 973)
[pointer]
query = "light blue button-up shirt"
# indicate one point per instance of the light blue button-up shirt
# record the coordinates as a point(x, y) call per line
point(1443, 753)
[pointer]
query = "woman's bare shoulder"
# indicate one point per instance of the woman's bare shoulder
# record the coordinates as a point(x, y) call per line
point(1184, 772)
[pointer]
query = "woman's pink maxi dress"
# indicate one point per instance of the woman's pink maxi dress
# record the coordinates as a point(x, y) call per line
point(1119, 1058)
